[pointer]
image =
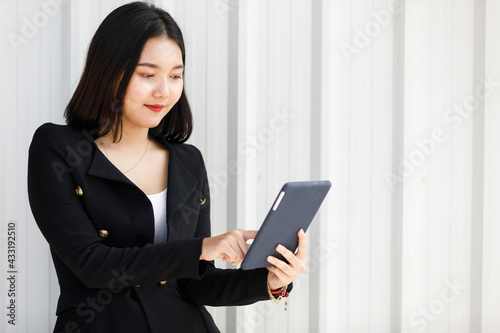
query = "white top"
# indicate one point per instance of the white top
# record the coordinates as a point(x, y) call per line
point(159, 202)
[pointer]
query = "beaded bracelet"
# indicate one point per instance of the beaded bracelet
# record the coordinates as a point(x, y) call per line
point(281, 292)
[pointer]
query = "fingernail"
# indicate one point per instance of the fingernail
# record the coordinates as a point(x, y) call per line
point(279, 247)
point(270, 259)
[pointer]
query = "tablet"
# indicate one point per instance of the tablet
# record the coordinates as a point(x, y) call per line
point(294, 209)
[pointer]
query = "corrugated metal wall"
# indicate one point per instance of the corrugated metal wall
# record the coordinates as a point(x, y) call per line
point(395, 102)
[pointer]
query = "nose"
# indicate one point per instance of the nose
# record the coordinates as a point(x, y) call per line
point(162, 89)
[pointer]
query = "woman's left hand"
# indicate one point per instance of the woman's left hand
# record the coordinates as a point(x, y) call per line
point(282, 274)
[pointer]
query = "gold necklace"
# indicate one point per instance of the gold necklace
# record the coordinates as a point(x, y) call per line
point(140, 159)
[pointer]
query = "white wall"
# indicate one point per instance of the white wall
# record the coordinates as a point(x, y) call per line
point(386, 99)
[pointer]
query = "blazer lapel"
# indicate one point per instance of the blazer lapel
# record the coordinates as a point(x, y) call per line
point(181, 185)
point(103, 168)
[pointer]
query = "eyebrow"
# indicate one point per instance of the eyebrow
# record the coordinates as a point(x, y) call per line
point(147, 64)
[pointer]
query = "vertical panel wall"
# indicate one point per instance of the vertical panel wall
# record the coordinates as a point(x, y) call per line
point(437, 164)
point(491, 227)
point(357, 153)
point(395, 102)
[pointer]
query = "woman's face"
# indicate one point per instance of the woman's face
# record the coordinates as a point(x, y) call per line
point(156, 84)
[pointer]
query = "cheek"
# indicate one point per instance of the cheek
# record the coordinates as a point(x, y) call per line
point(178, 91)
point(135, 92)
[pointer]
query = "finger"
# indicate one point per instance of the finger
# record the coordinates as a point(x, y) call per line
point(302, 249)
point(294, 262)
point(242, 241)
point(229, 253)
point(242, 248)
point(282, 277)
point(248, 243)
point(230, 246)
point(289, 256)
point(249, 234)
point(240, 253)
point(283, 266)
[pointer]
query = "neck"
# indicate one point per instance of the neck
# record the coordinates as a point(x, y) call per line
point(130, 138)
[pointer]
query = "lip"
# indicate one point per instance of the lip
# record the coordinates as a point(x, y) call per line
point(155, 107)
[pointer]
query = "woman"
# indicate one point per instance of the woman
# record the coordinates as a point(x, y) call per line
point(125, 204)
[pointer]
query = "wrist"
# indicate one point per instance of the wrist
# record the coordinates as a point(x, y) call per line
point(275, 289)
point(277, 295)
point(272, 286)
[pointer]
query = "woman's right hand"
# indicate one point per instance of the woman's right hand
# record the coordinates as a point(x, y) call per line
point(231, 246)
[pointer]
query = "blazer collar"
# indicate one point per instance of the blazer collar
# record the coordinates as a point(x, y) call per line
point(181, 183)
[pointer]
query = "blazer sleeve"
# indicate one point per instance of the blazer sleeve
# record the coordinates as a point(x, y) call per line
point(71, 235)
point(223, 287)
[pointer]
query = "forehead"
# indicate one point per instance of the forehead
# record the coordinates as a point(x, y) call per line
point(161, 51)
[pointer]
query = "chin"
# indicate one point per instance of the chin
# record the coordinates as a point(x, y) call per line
point(152, 123)
point(146, 121)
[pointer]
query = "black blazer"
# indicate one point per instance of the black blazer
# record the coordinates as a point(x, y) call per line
point(100, 228)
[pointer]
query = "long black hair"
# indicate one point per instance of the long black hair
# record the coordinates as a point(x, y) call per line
point(113, 54)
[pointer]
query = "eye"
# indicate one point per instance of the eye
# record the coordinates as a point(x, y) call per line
point(146, 75)
point(177, 77)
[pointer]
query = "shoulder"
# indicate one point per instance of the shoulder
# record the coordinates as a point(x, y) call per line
point(55, 131)
point(188, 153)
point(50, 133)
point(184, 151)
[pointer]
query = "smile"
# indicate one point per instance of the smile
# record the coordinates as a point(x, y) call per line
point(155, 107)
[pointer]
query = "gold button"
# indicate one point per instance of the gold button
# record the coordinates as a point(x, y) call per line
point(79, 191)
point(163, 283)
point(103, 233)
point(202, 201)
point(137, 285)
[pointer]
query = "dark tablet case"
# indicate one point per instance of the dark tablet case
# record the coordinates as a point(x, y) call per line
point(294, 211)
